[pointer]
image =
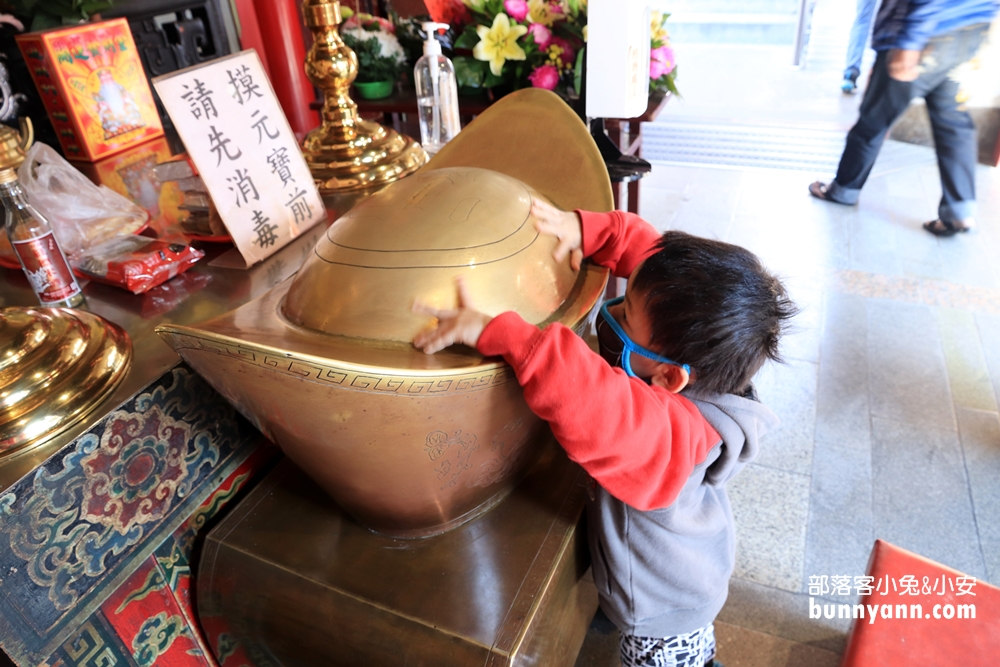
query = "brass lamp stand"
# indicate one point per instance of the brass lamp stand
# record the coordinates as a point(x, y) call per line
point(349, 158)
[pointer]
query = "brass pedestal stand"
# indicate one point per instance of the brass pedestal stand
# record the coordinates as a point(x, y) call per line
point(349, 158)
point(296, 582)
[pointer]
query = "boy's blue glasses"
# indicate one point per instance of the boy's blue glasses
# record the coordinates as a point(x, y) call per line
point(629, 346)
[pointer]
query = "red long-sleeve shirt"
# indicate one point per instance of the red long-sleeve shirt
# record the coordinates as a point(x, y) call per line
point(639, 441)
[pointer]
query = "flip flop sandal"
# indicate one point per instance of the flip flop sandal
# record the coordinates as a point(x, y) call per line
point(944, 228)
point(819, 191)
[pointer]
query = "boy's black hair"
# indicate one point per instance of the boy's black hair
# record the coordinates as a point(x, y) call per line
point(713, 306)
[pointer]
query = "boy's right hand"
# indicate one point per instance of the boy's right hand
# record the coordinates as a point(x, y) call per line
point(565, 226)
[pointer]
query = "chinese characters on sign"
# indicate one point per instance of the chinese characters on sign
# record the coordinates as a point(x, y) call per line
point(822, 585)
point(235, 132)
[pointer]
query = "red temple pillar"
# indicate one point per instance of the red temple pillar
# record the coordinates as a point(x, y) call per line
point(250, 37)
point(281, 29)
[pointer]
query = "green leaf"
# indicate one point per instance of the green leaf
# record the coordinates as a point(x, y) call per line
point(469, 72)
point(62, 9)
point(671, 86)
point(570, 29)
point(578, 70)
point(95, 7)
point(492, 80)
point(44, 21)
point(468, 39)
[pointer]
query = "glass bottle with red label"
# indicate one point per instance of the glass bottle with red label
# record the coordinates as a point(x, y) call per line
point(41, 257)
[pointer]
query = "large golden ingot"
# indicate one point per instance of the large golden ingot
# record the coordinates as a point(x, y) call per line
point(411, 444)
point(56, 365)
point(349, 158)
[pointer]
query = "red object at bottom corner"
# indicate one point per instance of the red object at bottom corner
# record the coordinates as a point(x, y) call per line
point(930, 615)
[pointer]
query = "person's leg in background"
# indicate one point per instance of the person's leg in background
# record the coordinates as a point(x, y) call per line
point(955, 143)
point(885, 99)
point(856, 47)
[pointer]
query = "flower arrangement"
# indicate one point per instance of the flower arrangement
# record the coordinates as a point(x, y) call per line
point(373, 40)
point(662, 63)
point(521, 43)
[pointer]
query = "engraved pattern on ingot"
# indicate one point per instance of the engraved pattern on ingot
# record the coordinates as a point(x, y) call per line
point(348, 379)
point(459, 448)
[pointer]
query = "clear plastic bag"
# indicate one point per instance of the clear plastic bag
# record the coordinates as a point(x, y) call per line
point(82, 214)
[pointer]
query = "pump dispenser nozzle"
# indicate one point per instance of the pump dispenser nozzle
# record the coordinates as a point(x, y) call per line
point(431, 45)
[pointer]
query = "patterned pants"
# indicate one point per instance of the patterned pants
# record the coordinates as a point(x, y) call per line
point(694, 649)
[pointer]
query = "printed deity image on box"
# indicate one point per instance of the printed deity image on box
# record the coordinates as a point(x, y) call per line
point(93, 86)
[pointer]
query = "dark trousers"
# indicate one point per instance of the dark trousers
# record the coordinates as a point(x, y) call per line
point(954, 134)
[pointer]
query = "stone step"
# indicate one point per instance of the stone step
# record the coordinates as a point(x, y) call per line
point(770, 147)
point(733, 6)
point(732, 28)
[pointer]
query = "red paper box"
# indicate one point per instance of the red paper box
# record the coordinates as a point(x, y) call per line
point(91, 81)
point(952, 619)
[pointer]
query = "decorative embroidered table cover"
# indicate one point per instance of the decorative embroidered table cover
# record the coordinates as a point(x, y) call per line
point(73, 532)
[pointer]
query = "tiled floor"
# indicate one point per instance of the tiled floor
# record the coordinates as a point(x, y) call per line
point(889, 397)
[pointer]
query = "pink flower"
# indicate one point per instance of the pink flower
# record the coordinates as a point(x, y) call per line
point(568, 55)
point(661, 60)
point(542, 35)
point(546, 76)
point(657, 68)
point(516, 9)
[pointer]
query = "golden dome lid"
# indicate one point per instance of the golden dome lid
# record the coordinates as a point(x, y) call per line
point(411, 240)
point(56, 365)
point(350, 303)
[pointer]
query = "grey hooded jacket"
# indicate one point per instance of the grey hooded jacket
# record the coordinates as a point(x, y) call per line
point(666, 572)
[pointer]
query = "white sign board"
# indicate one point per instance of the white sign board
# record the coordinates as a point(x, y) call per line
point(235, 132)
point(617, 58)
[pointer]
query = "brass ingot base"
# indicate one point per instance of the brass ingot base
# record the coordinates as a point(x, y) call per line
point(349, 158)
point(57, 365)
point(296, 582)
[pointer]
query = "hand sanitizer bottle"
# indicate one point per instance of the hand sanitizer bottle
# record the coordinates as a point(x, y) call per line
point(437, 94)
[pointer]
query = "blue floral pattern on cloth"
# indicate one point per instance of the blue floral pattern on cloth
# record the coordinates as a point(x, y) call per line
point(85, 519)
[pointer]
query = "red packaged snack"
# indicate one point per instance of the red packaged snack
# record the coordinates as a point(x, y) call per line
point(136, 263)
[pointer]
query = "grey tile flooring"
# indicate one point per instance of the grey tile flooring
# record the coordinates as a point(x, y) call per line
point(968, 374)
point(770, 508)
point(842, 406)
point(980, 432)
point(873, 244)
point(782, 614)
point(967, 263)
point(802, 340)
point(790, 391)
point(989, 334)
point(920, 494)
point(740, 647)
point(908, 380)
point(841, 521)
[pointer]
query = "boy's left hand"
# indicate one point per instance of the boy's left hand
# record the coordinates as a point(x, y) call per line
point(463, 325)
